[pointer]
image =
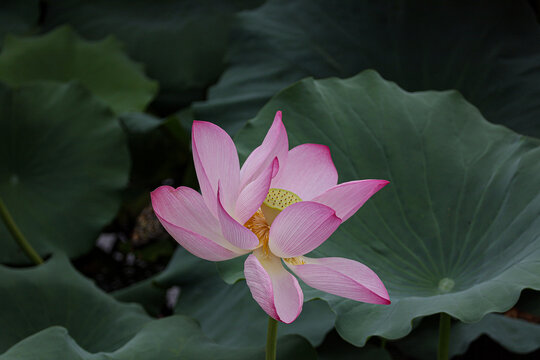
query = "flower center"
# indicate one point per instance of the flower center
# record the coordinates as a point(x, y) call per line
point(259, 223)
point(299, 260)
point(276, 201)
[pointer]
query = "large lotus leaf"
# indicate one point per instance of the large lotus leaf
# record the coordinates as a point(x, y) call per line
point(64, 161)
point(227, 313)
point(18, 16)
point(490, 55)
point(52, 312)
point(62, 55)
point(456, 231)
point(182, 43)
point(516, 335)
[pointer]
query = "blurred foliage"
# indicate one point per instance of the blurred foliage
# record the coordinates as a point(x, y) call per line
point(96, 104)
point(18, 17)
point(160, 149)
point(62, 56)
point(516, 335)
point(64, 162)
point(489, 50)
point(182, 43)
point(335, 347)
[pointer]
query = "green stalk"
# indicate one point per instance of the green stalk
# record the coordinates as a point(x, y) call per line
point(444, 336)
point(271, 339)
point(17, 235)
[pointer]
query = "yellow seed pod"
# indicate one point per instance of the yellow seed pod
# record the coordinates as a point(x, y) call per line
point(276, 201)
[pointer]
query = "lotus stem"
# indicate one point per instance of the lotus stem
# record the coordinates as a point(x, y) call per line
point(17, 235)
point(271, 339)
point(444, 336)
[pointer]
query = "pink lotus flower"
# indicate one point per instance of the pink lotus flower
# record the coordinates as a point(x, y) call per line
point(279, 206)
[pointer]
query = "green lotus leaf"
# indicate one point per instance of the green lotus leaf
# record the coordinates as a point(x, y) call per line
point(456, 230)
point(227, 313)
point(18, 17)
point(52, 312)
point(516, 335)
point(62, 56)
point(182, 43)
point(490, 56)
point(64, 162)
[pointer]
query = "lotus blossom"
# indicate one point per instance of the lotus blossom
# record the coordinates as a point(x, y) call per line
point(280, 205)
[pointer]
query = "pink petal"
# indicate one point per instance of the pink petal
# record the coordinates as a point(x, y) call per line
point(216, 159)
point(301, 228)
point(198, 245)
point(275, 144)
point(235, 233)
point(348, 197)
point(185, 207)
point(308, 171)
point(184, 215)
point(274, 288)
point(343, 277)
point(253, 194)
